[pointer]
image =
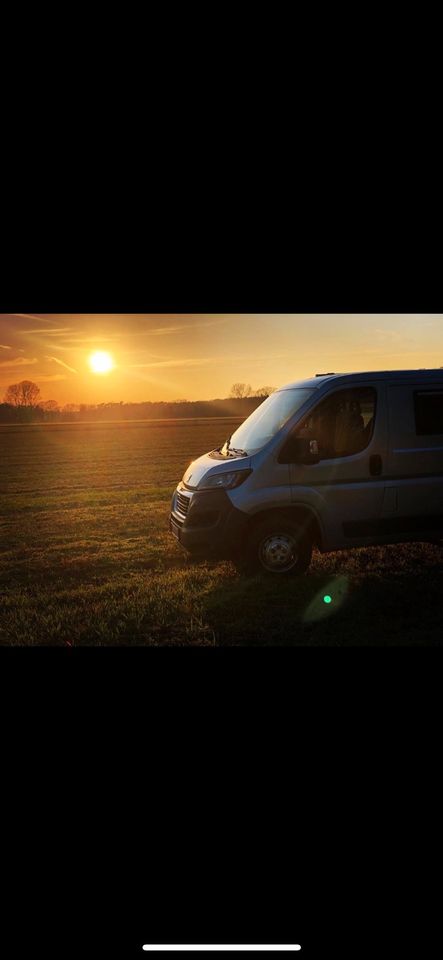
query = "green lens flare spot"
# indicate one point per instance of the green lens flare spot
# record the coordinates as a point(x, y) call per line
point(328, 601)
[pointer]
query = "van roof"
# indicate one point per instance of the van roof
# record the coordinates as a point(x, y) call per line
point(320, 379)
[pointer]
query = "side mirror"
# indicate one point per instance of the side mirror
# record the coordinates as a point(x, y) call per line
point(300, 450)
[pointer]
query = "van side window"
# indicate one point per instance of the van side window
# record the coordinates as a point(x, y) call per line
point(343, 423)
point(428, 408)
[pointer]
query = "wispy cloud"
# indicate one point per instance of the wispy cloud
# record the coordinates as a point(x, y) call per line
point(188, 362)
point(62, 364)
point(156, 332)
point(54, 330)
point(202, 361)
point(4, 346)
point(391, 336)
point(163, 331)
point(18, 362)
point(26, 316)
point(96, 340)
point(181, 327)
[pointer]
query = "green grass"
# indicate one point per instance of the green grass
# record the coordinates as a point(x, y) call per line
point(86, 556)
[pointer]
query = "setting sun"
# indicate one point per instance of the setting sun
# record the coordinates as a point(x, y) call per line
point(101, 362)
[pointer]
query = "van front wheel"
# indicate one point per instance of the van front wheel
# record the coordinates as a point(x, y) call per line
point(278, 546)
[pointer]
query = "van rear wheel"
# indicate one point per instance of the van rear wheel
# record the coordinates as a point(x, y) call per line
point(278, 546)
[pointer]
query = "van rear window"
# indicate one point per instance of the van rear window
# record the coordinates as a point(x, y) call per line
point(428, 408)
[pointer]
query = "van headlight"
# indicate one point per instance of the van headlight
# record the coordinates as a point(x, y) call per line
point(224, 481)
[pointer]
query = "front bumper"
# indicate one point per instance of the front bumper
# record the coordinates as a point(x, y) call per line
point(208, 526)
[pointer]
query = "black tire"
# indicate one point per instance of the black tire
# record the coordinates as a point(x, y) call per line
point(277, 546)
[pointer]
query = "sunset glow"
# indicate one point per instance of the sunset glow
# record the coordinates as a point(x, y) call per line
point(132, 358)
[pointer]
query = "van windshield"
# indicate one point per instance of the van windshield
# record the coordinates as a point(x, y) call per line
point(267, 420)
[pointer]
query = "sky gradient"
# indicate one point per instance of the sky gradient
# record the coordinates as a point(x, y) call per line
point(194, 357)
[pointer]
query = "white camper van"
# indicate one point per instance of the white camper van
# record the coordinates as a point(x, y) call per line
point(337, 461)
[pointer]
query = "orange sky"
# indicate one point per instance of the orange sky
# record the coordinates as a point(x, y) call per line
point(169, 357)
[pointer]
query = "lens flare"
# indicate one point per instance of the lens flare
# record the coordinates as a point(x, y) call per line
point(327, 602)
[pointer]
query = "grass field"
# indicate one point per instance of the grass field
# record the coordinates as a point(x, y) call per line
point(86, 556)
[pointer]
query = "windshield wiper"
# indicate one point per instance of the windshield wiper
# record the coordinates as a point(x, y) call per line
point(229, 449)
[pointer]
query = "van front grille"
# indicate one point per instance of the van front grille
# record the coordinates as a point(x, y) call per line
point(182, 504)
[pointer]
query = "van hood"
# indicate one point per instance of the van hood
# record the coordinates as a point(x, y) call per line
point(208, 464)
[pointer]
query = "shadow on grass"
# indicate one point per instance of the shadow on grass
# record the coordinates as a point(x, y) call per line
point(384, 596)
point(387, 604)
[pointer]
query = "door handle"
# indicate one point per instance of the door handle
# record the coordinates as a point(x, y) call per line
point(375, 465)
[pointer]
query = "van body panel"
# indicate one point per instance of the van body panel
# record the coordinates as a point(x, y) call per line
point(347, 491)
point(206, 464)
point(342, 508)
point(391, 491)
point(415, 462)
point(257, 499)
point(212, 526)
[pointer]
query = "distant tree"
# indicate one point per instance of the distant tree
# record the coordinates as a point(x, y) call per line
point(70, 411)
point(264, 391)
point(87, 408)
point(49, 409)
point(8, 413)
point(240, 390)
point(24, 394)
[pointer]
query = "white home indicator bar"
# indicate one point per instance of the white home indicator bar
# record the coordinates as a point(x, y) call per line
point(221, 947)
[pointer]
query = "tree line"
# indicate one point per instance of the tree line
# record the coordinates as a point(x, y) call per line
point(23, 404)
